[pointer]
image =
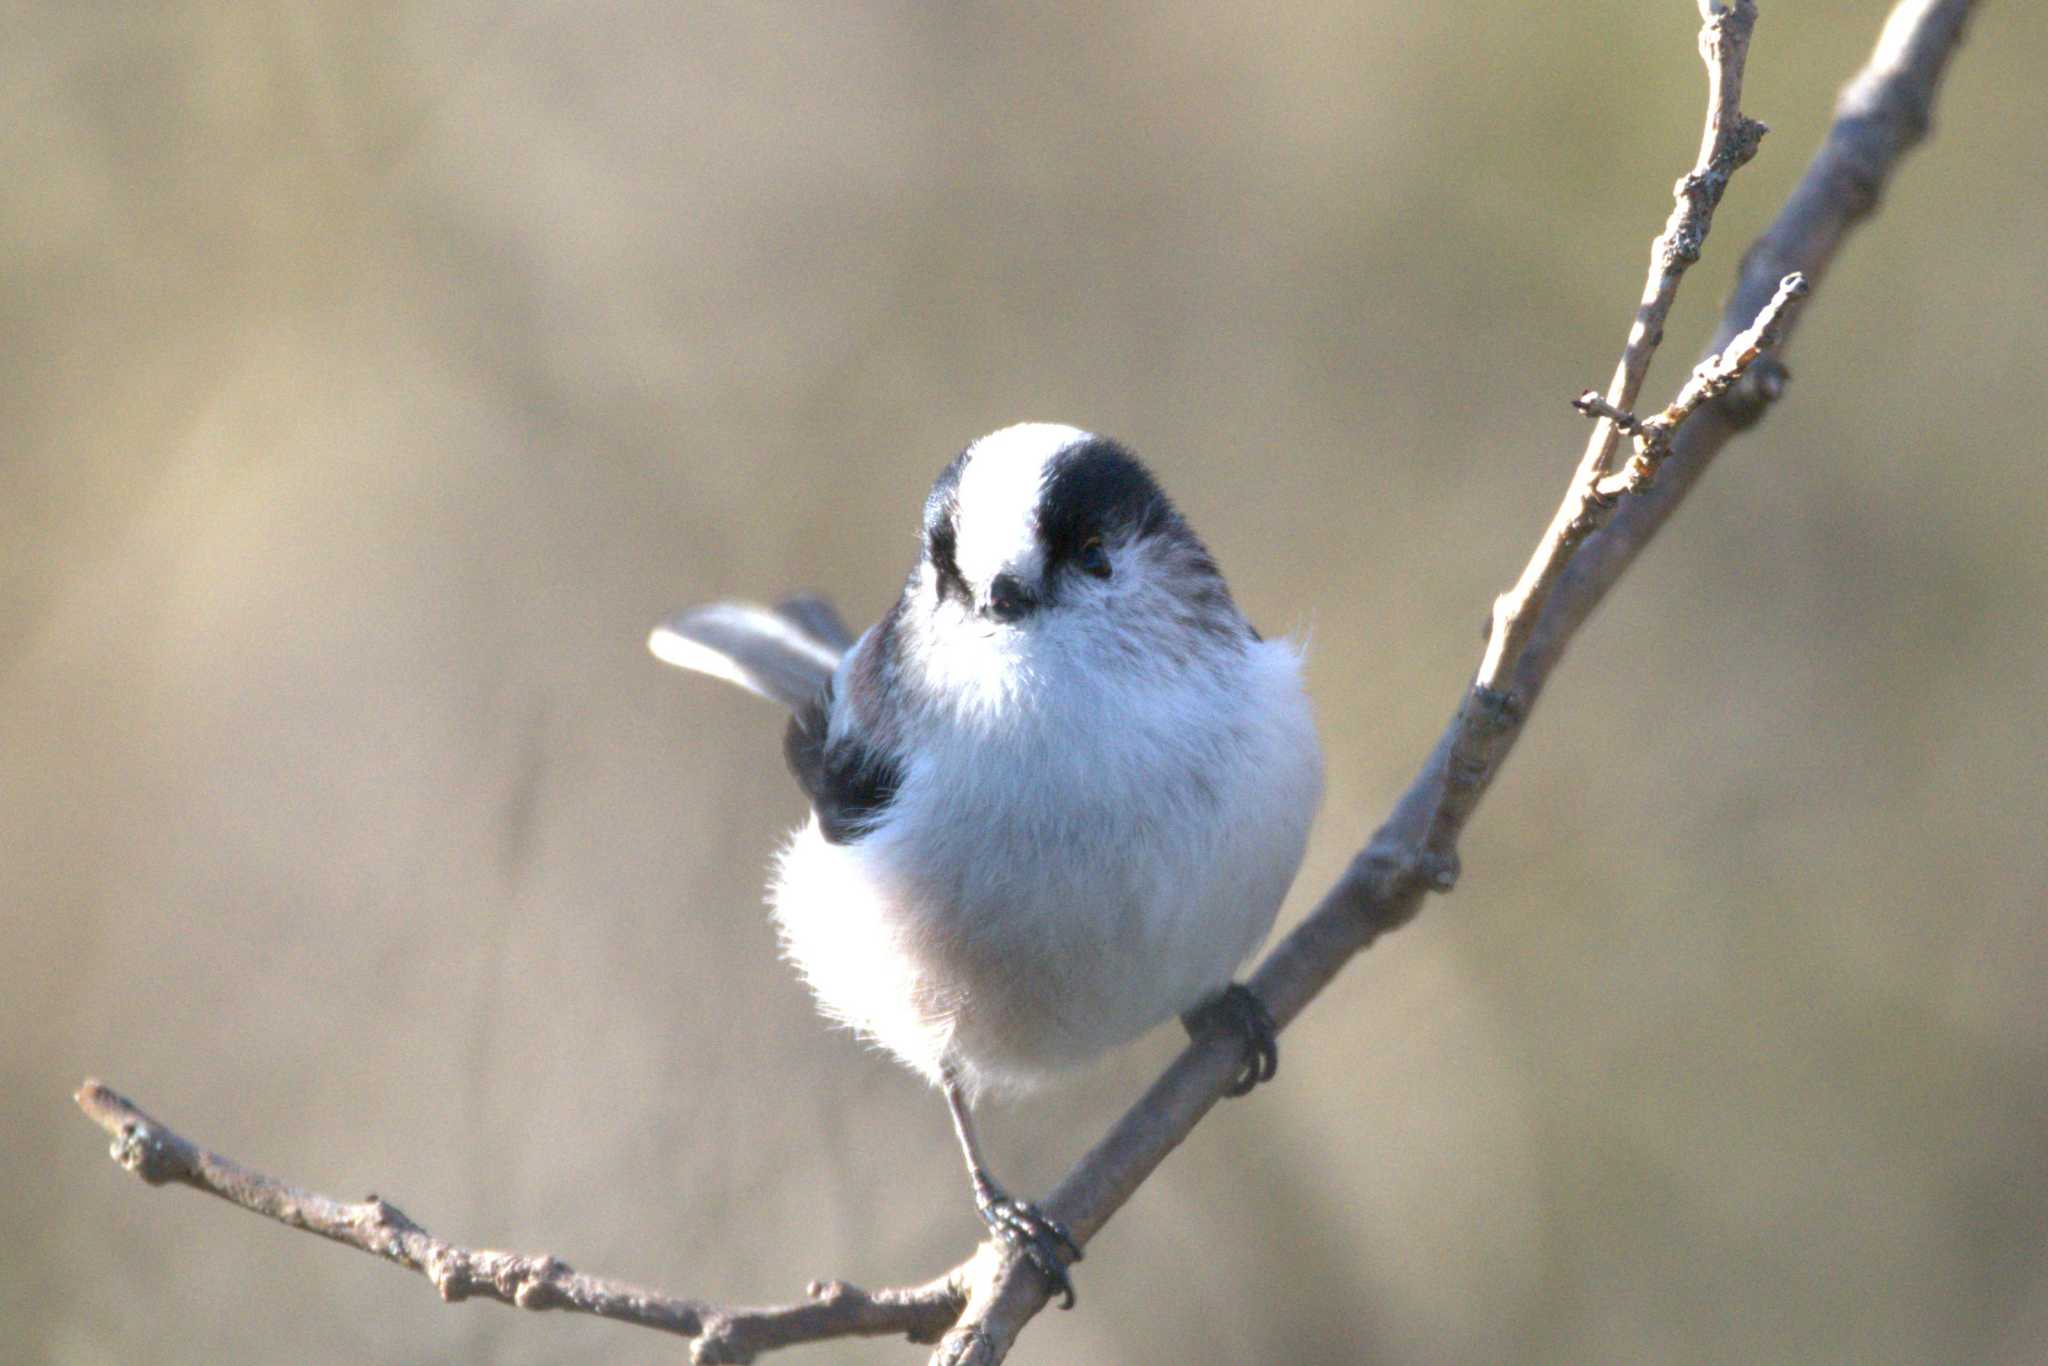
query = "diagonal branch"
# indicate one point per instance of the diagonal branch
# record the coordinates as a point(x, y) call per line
point(1727, 142)
point(1605, 521)
point(1881, 115)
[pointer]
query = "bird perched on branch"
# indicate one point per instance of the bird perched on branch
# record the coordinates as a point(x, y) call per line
point(1057, 793)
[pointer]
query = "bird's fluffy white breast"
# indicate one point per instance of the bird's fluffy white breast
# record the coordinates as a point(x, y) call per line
point(1095, 852)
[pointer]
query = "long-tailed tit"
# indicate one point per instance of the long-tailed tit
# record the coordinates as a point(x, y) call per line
point(1057, 792)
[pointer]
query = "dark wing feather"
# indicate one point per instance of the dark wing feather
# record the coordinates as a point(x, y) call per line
point(788, 653)
point(850, 784)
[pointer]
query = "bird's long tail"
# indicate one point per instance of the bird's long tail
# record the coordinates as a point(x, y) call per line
point(785, 653)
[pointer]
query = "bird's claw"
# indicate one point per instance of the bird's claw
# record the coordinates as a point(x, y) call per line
point(1238, 1011)
point(1041, 1239)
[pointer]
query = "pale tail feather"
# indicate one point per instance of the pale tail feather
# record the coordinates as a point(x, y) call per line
point(786, 653)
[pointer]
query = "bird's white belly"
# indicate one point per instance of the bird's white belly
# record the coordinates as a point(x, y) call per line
point(1004, 949)
point(946, 968)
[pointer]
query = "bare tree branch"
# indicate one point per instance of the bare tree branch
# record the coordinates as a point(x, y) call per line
point(1493, 710)
point(1727, 142)
point(1607, 517)
point(374, 1225)
point(1881, 114)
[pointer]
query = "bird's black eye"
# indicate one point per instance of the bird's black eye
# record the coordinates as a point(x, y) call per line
point(1094, 558)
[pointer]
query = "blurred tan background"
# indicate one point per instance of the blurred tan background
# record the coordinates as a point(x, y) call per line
point(377, 375)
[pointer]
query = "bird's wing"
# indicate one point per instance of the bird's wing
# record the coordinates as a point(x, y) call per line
point(850, 782)
point(786, 653)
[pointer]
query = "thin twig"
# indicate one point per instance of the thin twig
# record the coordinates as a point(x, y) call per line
point(1593, 405)
point(1711, 378)
point(987, 1300)
point(1493, 710)
point(1728, 140)
point(834, 1310)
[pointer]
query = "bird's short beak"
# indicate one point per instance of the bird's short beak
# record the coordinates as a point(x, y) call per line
point(1008, 599)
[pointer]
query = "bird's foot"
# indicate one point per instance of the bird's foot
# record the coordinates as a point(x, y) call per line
point(1041, 1239)
point(1239, 1012)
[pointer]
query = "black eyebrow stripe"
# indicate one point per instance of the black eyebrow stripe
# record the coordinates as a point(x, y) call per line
point(941, 527)
point(1096, 487)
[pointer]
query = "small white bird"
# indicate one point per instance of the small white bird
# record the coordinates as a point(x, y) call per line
point(1058, 792)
